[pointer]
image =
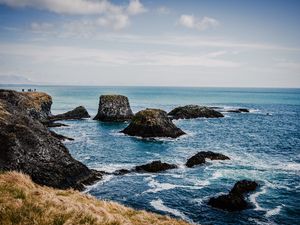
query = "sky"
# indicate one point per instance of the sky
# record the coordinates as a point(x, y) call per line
point(205, 43)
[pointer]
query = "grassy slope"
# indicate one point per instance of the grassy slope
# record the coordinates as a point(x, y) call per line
point(24, 202)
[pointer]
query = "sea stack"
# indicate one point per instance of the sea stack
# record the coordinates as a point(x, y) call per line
point(76, 114)
point(152, 123)
point(194, 111)
point(113, 108)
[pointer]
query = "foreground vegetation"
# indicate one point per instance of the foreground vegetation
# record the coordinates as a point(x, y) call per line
point(24, 202)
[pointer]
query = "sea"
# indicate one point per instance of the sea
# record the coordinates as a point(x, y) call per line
point(264, 145)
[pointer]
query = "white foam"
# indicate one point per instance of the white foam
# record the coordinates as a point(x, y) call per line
point(274, 211)
point(254, 196)
point(101, 182)
point(113, 167)
point(158, 204)
point(216, 175)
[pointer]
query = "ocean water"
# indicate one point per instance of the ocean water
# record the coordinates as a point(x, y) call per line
point(264, 145)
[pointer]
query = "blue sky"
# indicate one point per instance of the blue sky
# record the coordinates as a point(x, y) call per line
point(152, 43)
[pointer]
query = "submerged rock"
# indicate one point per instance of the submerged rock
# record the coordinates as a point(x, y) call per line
point(76, 114)
point(113, 108)
point(27, 145)
point(194, 111)
point(235, 200)
point(200, 157)
point(152, 123)
point(155, 166)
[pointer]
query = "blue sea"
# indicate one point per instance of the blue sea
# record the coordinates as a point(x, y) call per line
point(264, 145)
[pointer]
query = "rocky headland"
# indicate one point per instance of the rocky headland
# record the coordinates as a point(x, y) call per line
point(27, 145)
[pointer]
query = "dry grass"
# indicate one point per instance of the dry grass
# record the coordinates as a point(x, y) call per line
point(36, 99)
point(23, 202)
point(4, 114)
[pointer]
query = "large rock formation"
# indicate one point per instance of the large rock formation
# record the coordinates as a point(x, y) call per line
point(200, 157)
point(154, 167)
point(113, 108)
point(234, 200)
point(194, 111)
point(76, 114)
point(27, 145)
point(152, 123)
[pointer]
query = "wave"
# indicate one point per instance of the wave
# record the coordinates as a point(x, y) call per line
point(253, 198)
point(158, 204)
point(104, 179)
point(274, 211)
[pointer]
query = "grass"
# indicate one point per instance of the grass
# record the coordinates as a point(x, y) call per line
point(23, 202)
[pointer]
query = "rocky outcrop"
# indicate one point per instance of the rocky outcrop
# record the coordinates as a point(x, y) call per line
point(113, 108)
point(60, 136)
point(152, 123)
point(27, 145)
point(194, 111)
point(76, 114)
point(200, 157)
point(235, 199)
point(154, 167)
point(240, 110)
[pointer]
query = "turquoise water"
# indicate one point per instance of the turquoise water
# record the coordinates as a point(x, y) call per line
point(264, 145)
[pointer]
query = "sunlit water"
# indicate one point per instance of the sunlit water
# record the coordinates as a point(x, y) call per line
point(264, 145)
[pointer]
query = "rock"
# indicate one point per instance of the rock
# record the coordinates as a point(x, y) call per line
point(60, 137)
point(229, 202)
point(154, 167)
point(52, 124)
point(235, 200)
point(200, 157)
point(122, 172)
point(238, 110)
point(152, 123)
point(76, 114)
point(36, 104)
point(27, 145)
point(113, 108)
point(244, 186)
point(194, 111)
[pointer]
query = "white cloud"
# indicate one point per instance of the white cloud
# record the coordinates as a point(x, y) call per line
point(135, 7)
point(193, 22)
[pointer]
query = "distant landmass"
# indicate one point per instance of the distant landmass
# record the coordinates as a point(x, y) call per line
point(14, 79)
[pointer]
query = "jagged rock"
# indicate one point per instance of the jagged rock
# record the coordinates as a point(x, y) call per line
point(113, 108)
point(76, 114)
point(27, 145)
point(152, 123)
point(194, 111)
point(200, 157)
point(235, 200)
point(52, 124)
point(238, 110)
point(244, 186)
point(154, 167)
point(60, 136)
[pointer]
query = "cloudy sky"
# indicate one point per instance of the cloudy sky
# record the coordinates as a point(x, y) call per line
point(151, 42)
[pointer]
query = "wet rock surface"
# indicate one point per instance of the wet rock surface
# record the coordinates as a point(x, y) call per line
point(235, 199)
point(27, 145)
point(152, 123)
point(113, 108)
point(194, 111)
point(200, 157)
point(154, 167)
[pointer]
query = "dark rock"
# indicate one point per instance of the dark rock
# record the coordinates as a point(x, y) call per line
point(152, 123)
point(244, 186)
point(235, 200)
point(200, 157)
point(229, 202)
point(122, 172)
point(238, 110)
point(194, 111)
point(154, 167)
point(27, 145)
point(113, 108)
point(52, 124)
point(76, 114)
point(60, 137)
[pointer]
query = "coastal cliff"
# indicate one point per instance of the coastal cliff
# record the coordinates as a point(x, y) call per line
point(27, 145)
